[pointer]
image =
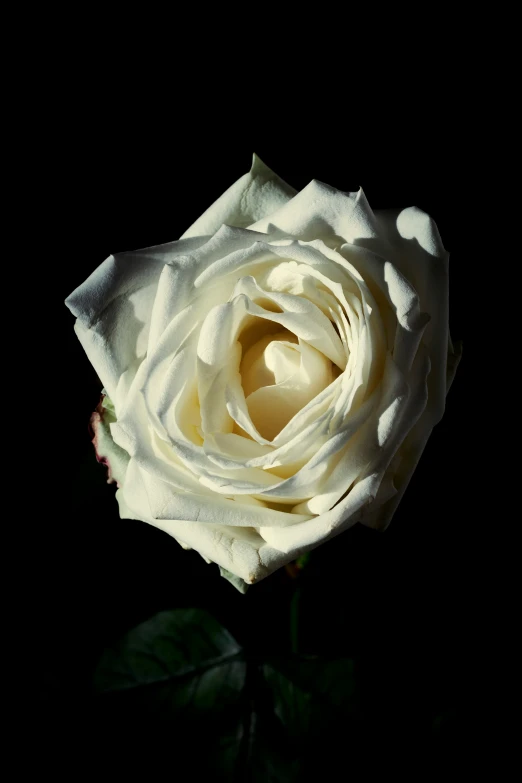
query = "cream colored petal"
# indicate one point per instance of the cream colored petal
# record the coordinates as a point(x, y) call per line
point(300, 374)
point(113, 308)
point(254, 195)
point(320, 211)
point(357, 504)
point(416, 250)
point(235, 549)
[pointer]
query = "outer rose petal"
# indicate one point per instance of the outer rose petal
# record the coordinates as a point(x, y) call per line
point(113, 311)
point(416, 249)
point(403, 466)
point(322, 212)
point(254, 195)
point(239, 550)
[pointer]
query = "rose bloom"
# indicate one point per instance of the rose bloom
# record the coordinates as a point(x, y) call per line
point(272, 377)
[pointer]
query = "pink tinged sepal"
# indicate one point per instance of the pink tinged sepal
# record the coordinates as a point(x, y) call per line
point(108, 453)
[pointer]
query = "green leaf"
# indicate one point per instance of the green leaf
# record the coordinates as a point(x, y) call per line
point(310, 692)
point(252, 718)
point(193, 659)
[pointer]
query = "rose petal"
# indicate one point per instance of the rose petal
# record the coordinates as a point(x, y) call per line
point(320, 211)
point(416, 250)
point(355, 506)
point(258, 193)
point(113, 309)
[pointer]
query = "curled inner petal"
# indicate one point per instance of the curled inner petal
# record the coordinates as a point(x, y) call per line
point(279, 378)
point(272, 359)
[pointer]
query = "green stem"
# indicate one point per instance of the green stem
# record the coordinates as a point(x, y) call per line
point(294, 619)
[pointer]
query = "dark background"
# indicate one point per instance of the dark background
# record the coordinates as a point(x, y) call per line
point(398, 602)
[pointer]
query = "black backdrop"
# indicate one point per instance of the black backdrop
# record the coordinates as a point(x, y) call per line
point(396, 602)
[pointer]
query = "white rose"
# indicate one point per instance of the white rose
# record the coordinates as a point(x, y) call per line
point(275, 373)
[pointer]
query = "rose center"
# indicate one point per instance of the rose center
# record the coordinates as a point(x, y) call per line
point(280, 374)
